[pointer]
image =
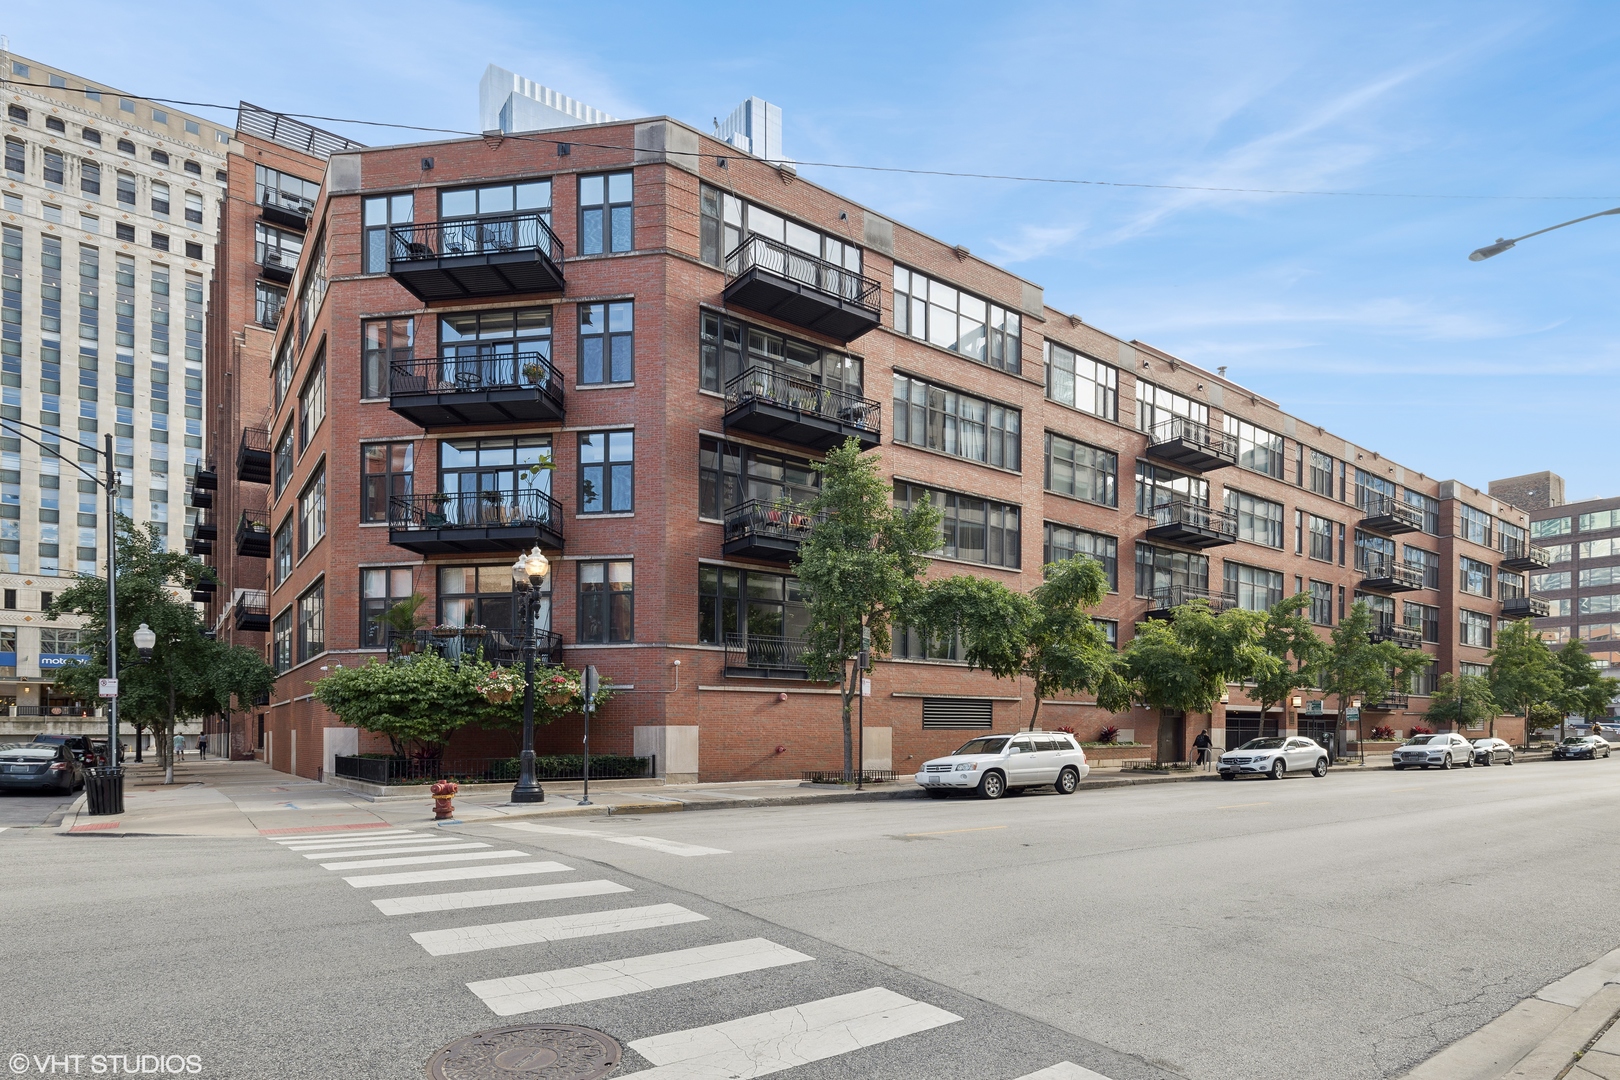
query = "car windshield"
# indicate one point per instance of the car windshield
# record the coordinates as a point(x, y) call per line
point(1575, 740)
point(51, 740)
point(1262, 744)
point(1418, 740)
point(28, 751)
point(982, 746)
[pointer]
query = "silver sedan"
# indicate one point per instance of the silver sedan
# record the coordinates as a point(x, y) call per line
point(1493, 751)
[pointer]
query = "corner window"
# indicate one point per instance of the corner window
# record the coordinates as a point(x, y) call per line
point(735, 605)
point(727, 347)
point(607, 612)
point(1473, 525)
point(385, 342)
point(386, 470)
point(607, 342)
point(604, 213)
point(312, 513)
point(312, 621)
point(378, 213)
point(607, 472)
point(950, 318)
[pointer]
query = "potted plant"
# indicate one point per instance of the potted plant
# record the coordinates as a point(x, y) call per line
point(445, 630)
point(499, 685)
point(400, 619)
point(534, 373)
point(474, 630)
point(558, 688)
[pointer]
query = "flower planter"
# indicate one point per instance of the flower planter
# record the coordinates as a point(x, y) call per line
point(445, 632)
point(556, 700)
point(406, 647)
point(498, 697)
point(473, 631)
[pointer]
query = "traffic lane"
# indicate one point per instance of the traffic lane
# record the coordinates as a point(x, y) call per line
point(23, 809)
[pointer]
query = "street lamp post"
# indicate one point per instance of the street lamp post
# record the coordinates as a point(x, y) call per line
point(1501, 245)
point(528, 574)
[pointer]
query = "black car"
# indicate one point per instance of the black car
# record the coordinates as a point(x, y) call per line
point(1590, 747)
point(79, 744)
point(40, 768)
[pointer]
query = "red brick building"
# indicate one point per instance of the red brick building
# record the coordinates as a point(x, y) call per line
point(681, 328)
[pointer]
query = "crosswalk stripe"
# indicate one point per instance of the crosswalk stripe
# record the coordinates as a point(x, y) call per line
point(372, 834)
point(616, 978)
point(411, 849)
point(419, 860)
point(384, 841)
point(463, 939)
point(1064, 1070)
point(523, 894)
point(784, 1038)
point(455, 873)
point(668, 847)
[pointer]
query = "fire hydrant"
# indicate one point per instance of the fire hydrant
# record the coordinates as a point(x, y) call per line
point(442, 793)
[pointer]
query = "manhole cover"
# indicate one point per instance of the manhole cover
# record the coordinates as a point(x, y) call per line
point(530, 1051)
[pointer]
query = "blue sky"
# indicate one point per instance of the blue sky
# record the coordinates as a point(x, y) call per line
point(1361, 314)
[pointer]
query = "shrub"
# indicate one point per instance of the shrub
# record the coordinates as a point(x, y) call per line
point(1108, 735)
point(1422, 729)
point(1382, 733)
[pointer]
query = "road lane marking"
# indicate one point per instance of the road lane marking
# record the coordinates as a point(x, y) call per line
point(352, 841)
point(413, 848)
point(324, 828)
point(391, 842)
point(953, 832)
point(1233, 806)
point(523, 894)
point(418, 860)
point(370, 835)
point(784, 1038)
point(616, 978)
point(455, 873)
point(1065, 1070)
point(462, 939)
point(652, 843)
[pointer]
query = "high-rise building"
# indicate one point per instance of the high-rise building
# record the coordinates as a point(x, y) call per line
point(680, 331)
point(1579, 549)
point(108, 209)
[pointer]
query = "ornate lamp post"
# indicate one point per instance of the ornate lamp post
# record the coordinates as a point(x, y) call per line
point(528, 574)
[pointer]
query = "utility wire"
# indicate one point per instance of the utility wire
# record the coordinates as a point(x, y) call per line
point(899, 170)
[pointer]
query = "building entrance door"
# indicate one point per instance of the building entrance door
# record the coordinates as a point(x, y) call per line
point(1324, 730)
point(1172, 736)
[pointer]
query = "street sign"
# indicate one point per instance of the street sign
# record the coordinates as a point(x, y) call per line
point(1351, 715)
point(109, 687)
point(1313, 707)
point(866, 688)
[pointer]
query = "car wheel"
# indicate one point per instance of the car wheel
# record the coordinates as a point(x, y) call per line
point(1470, 761)
point(1067, 781)
point(1510, 759)
point(1490, 759)
point(1321, 767)
point(1446, 762)
point(1277, 769)
point(993, 786)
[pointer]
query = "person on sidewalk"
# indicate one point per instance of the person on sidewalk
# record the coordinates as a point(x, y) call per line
point(202, 747)
point(1202, 745)
point(179, 746)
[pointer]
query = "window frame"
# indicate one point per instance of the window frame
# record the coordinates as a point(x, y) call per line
point(1000, 328)
point(607, 341)
point(609, 225)
point(312, 511)
point(1052, 551)
point(999, 535)
point(311, 613)
point(1000, 441)
point(1096, 470)
point(1102, 378)
point(393, 483)
point(610, 474)
point(374, 242)
point(604, 601)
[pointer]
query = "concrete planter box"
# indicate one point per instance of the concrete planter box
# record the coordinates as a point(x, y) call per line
point(374, 792)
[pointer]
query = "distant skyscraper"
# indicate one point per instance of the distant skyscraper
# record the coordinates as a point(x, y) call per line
point(754, 127)
point(508, 102)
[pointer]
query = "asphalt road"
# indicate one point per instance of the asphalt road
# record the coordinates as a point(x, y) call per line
point(1334, 928)
point(18, 808)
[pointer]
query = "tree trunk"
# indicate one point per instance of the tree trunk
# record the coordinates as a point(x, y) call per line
point(1036, 713)
point(847, 699)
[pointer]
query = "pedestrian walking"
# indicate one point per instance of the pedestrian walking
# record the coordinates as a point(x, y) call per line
point(179, 746)
point(202, 747)
point(1202, 744)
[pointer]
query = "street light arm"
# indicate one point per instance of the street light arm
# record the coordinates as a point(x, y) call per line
point(8, 425)
point(1502, 245)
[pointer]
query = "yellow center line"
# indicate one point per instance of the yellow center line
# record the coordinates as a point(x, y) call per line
point(949, 832)
point(1241, 805)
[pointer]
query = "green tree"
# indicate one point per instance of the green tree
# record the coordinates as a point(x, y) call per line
point(1524, 673)
point(1045, 634)
point(1359, 667)
point(417, 701)
point(1183, 664)
point(1462, 701)
point(860, 566)
point(1289, 636)
point(1586, 692)
point(188, 674)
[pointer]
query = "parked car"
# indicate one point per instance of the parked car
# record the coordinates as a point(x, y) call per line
point(1274, 757)
point(40, 767)
point(1590, 747)
point(79, 744)
point(1491, 751)
point(1441, 751)
point(992, 765)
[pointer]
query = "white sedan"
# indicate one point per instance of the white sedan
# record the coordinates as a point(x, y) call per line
point(1442, 751)
point(1274, 758)
point(992, 765)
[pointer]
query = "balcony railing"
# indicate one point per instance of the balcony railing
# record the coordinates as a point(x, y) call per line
point(759, 529)
point(475, 521)
point(1388, 575)
point(1387, 514)
point(752, 656)
point(443, 391)
point(1525, 607)
point(252, 610)
point(487, 256)
point(205, 476)
point(1182, 522)
point(286, 209)
point(1166, 600)
point(768, 402)
point(278, 265)
point(200, 497)
point(253, 456)
point(1192, 445)
point(1518, 555)
point(253, 534)
point(1391, 702)
point(1407, 637)
point(774, 279)
point(502, 648)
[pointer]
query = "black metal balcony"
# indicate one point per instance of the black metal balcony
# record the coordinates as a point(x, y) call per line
point(1191, 525)
point(286, 211)
point(201, 498)
point(206, 530)
point(749, 656)
point(502, 648)
point(1407, 637)
point(763, 530)
point(1387, 575)
point(277, 265)
point(1191, 445)
point(1517, 555)
point(200, 597)
point(1525, 607)
point(773, 279)
point(446, 391)
point(253, 534)
point(1389, 515)
point(205, 585)
point(205, 477)
point(1391, 702)
point(798, 411)
point(253, 456)
point(199, 547)
point(471, 522)
point(252, 611)
point(473, 257)
point(1165, 601)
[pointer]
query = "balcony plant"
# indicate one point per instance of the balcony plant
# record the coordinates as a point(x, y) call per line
point(401, 620)
point(535, 373)
point(474, 630)
point(446, 630)
point(498, 685)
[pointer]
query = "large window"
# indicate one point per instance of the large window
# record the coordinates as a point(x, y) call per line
point(1473, 525)
point(1429, 561)
point(1321, 539)
point(1259, 521)
point(1064, 542)
point(1605, 604)
point(1321, 602)
point(1372, 491)
point(312, 513)
point(730, 347)
point(274, 188)
point(312, 621)
point(1558, 579)
point(312, 403)
point(281, 641)
point(607, 611)
point(1259, 450)
point(607, 472)
point(730, 474)
point(385, 474)
point(284, 459)
point(380, 589)
point(1430, 508)
point(268, 302)
point(1424, 618)
point(1590, 549)
point(1476, 629)
point(1076, 380)
point(493, 200)
point(281, 564)
point(1474, 577)
point(1156, 486)
point(1255, 587)
point(1550, 527)
point(974, 530)
point(383, 342)
point(1081, 471)
point(276, 247)
point(726, 219)
point(1599, 576)
point(492, 346)
point(944, 315)
point(1155, 405)
point(1558, 553)
point(955, 423)
point(381, 211)
point(500, 471)
point(1509, 585)
point(1600, 520)
point(482, 596)
point(735, 604)
point(607, 342)
point(1374, 553)
point(604, 213)
point(1160, 569)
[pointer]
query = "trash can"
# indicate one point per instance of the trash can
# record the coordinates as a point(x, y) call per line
point(104, 788)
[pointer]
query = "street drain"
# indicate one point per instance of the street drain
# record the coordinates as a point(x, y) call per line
point(535, 1051)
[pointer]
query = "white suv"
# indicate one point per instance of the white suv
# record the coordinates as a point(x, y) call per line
point(992, 764)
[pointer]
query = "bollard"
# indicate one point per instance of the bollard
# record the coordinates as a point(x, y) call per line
point(442, 793)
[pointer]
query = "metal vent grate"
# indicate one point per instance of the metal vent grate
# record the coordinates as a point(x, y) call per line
point(957, 713)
